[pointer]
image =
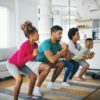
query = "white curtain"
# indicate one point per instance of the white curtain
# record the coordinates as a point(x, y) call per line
point(3, 27)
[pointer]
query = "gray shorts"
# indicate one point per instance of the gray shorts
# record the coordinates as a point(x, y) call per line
point(34, 66)
point(83, 63)
point(15, 71)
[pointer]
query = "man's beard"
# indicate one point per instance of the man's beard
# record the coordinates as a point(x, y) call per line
point(58, 40)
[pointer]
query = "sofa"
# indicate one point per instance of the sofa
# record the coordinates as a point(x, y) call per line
point(5, 53)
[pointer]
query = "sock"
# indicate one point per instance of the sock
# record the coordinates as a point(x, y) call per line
point(37, 91)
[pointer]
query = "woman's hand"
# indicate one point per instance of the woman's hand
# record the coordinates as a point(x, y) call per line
point(35, 52)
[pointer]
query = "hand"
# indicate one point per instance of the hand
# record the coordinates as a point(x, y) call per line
point(85, 57)
point(35, 52)
point(91, 55)
point(64, 46)
point(64, 53)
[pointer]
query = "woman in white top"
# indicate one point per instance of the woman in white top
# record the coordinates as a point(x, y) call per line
point(76, 50)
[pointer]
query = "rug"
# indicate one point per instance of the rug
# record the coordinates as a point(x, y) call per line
point(77, 91)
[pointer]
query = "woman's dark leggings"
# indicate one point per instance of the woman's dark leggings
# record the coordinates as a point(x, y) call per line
point(72, 67)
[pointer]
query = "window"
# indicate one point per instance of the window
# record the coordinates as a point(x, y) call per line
point(3, 26)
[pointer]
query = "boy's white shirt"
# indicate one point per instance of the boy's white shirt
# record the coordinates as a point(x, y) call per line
point(79, 52)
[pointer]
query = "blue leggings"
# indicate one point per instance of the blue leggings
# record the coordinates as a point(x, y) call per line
point(72, 67)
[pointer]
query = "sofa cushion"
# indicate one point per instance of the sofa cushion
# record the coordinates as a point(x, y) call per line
point(3, 66)
point(5, 53)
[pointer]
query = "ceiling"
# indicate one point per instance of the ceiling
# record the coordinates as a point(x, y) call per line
point(80, 9)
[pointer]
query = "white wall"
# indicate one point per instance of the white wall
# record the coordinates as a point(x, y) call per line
point(19, 11)
point(10, 4)
point(25, 10)
point(87, 31)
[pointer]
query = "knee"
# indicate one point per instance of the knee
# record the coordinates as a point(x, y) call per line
point(19, 79)
point(32, 77)
point(47, 68)
point(69, 65)
point(85, 67)
point(60, 65)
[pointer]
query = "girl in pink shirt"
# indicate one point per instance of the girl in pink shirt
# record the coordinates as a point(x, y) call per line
point(27, 52)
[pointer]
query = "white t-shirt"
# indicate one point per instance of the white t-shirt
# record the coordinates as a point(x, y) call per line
point(79, 51)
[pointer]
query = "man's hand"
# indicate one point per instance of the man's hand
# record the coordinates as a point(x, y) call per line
point(66, 53)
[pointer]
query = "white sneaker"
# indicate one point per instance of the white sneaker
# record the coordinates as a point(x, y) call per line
point(65, 84)
point(51, 85)
point(37, 91)
point(33, 97)
point(69, 81)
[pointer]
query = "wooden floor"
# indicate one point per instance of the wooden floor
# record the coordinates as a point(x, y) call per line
point(7, 84)
point(94, 96)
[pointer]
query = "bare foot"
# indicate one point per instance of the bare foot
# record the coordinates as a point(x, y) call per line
point(80, 79)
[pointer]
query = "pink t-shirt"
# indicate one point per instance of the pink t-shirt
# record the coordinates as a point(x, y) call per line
point(24, 54)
